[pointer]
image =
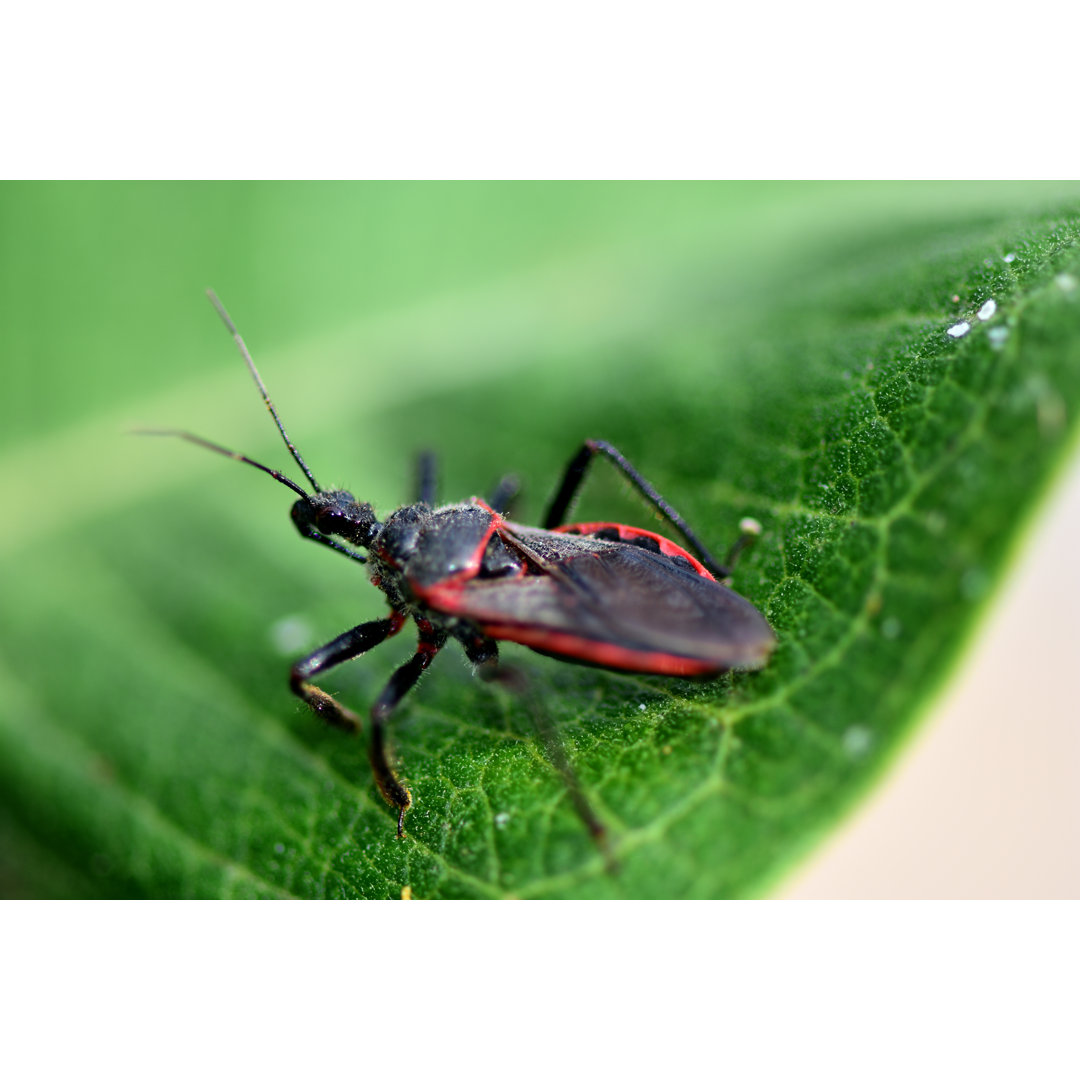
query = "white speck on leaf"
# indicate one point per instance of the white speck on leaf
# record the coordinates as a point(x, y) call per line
point(997, 336)
point(1066, 283)
point(987, 310)
point(501, 820)
point(857, 740)
point(1011, 257)
point(959, 329)
point(290, 635)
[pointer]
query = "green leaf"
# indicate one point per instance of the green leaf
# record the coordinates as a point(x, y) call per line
point(780, 352)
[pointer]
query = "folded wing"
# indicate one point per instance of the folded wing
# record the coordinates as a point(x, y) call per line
point(618, 606)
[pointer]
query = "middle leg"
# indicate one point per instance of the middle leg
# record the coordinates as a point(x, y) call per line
point(502, 498)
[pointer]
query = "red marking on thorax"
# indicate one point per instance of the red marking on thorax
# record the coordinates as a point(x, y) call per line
point(472, 566)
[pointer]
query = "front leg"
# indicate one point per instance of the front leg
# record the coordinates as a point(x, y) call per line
point(352, 643)
point(401, 682)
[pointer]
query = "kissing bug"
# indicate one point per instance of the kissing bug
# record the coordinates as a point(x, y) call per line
point(599, 593)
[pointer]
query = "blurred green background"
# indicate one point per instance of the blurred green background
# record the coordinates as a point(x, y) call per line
point(499, 323)
point(363, 296)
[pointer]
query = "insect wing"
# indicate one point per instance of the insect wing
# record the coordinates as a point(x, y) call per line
point(639, 538)
point(614, 605)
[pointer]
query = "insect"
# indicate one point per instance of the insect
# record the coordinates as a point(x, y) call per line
point(598, 593)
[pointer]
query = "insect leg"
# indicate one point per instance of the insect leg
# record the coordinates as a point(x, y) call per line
point(484, 653)
point(575, 474)
point(426, 478)
point(504, 494)
point(352, 643)
point(749, 531)
point(401, 682)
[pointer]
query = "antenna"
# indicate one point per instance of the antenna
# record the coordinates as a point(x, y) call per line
point(198, 441)
point(231, 327)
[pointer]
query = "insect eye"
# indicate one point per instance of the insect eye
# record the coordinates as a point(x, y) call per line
point(327, 521)
point(302, 512)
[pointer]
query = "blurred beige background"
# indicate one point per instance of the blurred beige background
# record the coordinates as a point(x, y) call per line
point(985, 802)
